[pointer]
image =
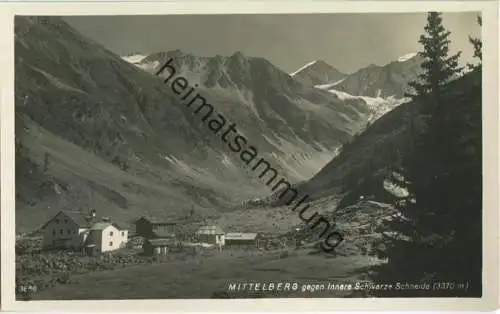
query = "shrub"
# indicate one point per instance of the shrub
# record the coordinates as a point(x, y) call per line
point(64, 278)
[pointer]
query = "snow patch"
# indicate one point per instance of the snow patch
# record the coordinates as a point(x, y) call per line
point(329, 85)
point(395, 189)
point(181, 166)
point(378, 105)
point(148, 66)
point(134, 58)
point(370, 101)
point(343, 95)
point(226, 161)
point(303, 67)
point(407, 57)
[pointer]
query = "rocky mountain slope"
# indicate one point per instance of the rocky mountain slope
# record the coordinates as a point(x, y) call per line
point(383, 81)
point(93, 130)
point(317, 73)
point(301, 124)
point(359, 190)
point(385, 142)
point(381, 88)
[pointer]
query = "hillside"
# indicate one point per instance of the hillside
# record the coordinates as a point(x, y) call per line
point(93, 130)
point(358, 189)
point(376, 152)
point(268, 99)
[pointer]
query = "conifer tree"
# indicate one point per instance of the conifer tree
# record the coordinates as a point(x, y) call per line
point(437, 235)
point(438, 67)
point(478, 45)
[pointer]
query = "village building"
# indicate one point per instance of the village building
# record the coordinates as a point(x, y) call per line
point(77, 231)
point(241, 238)
point(123, 230)
point(66, 230)
point(211, 234)
point(105, 237)
point(159, 247)
point(149, 227)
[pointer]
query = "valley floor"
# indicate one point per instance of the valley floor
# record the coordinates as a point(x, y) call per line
point(204, 276)
point(209, 274)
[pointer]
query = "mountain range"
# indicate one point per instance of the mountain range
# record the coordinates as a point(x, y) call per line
point(390, 80)
point(94, 129)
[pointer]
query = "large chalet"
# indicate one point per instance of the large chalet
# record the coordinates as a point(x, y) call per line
point(75, 230)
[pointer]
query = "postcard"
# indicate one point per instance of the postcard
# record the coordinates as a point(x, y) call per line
point(183, 156)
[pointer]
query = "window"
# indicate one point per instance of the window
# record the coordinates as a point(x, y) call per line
point(54, 232)
point(57, 221)
point(123, 233)
point(65, 221)
point(61, 231)
point(69, 231)
point(111, 233)
point(111, 243)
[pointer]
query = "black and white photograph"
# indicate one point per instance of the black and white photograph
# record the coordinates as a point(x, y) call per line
point(248, 156)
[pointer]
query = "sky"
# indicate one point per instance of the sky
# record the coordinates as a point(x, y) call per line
point(347, 41)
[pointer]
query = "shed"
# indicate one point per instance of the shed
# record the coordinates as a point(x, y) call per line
point(158, 246)
point(211, 234)
point(150, 227)
point(241, 238)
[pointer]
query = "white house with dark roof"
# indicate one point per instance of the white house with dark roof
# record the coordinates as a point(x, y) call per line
point(105, 237)
point(123, 230)
point(75, 230)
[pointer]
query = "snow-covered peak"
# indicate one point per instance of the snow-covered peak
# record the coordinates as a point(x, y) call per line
point(407, 57)
point(136, 58)
point(303, 67)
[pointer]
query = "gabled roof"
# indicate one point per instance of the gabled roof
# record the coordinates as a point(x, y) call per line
point(119, 225)
point(162, 242)
point(209, 230)
point(100, 226)
point(241, 236)
point(77, 217)
point(155, 220)
point(162, 234)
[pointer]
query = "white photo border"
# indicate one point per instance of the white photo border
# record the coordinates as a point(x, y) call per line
point(491, 261)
